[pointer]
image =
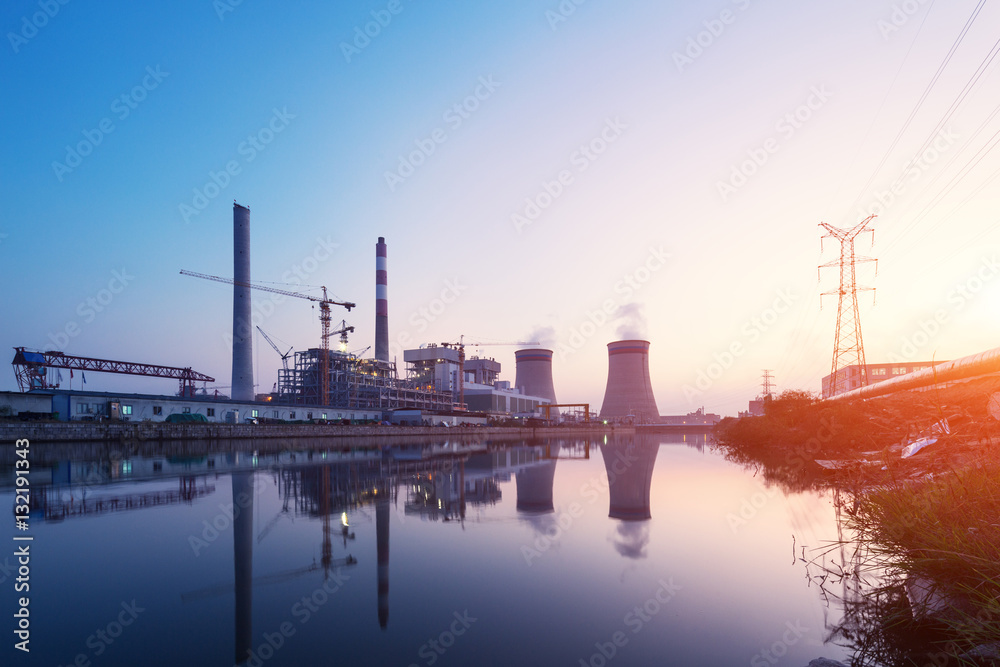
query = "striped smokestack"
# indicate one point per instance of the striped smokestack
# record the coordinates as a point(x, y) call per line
point(381, 303)
point(242, 383)
point(533, 374)
point(629, 391)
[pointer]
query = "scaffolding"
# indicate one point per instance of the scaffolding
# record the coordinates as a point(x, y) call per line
point(366, 384)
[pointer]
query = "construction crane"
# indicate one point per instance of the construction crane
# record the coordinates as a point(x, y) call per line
point(342, 331)
point(324, 317)
point(284, 357)
point(460, 346)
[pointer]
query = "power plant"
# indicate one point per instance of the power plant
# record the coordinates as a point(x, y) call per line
point(629, 393)
point(439, 385)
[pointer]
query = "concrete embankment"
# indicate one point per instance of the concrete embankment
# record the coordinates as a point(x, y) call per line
point(162, 431)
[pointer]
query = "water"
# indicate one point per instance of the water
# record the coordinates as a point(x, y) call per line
point(695, 565)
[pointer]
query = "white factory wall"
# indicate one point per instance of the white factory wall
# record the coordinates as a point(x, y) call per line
point(83, 406)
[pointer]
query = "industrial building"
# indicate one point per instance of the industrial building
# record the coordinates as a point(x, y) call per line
point(99, 406)
point(849, 377)
point(477, 380)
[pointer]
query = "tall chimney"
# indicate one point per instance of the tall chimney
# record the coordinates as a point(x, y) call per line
point(381, 303)
point(242, 384)
point(533, 374)
point(629, 390)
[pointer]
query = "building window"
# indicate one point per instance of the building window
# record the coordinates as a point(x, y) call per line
point(185, 411)
point(309, 415)
point(126, 409)
point(157, 409)
point(253, 413)
point(324, 415)
point(209, 412)
point(291, 415)
point(277, 414)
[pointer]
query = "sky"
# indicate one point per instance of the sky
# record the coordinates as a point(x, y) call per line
point(569, 172)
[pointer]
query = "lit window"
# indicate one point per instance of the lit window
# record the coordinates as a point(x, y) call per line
point(253, 413)
point(126, 409)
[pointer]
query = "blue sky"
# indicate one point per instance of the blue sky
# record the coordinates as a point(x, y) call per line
point(666, 123)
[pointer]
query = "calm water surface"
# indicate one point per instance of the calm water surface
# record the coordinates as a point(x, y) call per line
point(516, 553)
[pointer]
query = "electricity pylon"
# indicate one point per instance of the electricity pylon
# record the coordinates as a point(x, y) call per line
point(848, 348)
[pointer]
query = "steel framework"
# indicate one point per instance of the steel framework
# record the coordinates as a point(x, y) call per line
point(354, 383)
point(848, 347)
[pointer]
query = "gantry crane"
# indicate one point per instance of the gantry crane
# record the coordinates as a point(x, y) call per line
point(460, 346)
point(324, 317)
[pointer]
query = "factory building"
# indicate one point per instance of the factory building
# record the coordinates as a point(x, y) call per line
point(437, 368)
point(98, 406)
point(849, 377)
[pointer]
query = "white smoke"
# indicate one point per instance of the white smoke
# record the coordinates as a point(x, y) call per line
point(544, 336)
point(631, 322)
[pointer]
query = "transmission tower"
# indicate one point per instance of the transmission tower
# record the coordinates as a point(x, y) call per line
point(848, 348)
point(766, 384)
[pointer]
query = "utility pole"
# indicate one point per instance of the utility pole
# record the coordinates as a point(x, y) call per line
point(848, 348)
point(766, 385)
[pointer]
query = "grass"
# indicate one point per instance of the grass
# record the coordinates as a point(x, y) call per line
point(933, 518)
point(944, 530)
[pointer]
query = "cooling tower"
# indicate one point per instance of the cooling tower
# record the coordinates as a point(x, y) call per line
point(629, 465)
point(629, 391)
point(381, 303)
point(533, 374)
point(242, 384)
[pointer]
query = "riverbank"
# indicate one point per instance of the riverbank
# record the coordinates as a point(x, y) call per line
point(917, 477)
point(163, 431)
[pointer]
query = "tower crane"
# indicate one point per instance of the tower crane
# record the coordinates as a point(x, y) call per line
point(460, 346)
point(342, 331)
point(284, 357)
point(324, 317)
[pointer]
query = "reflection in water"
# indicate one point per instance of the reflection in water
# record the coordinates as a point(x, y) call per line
point(629, 463)
point(382, 539)
point(243, 561)
point(632, 539)
point(534, 483)
point(455, 493)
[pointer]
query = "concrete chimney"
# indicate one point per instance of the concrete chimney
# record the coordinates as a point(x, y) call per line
point(381, 303)
point(242, 383)
point(629, 390)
